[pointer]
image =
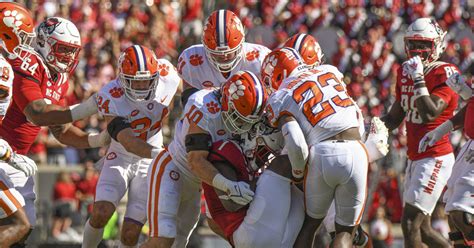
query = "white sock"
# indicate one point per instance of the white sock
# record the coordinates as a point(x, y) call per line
point(92, 236)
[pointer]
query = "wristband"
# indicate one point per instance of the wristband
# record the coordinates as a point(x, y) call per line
point(422, 91)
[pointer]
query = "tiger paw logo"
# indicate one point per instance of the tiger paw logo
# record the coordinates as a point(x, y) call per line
point(252, 55)
point(12, 19)
point(237, 89)
point(163, 69)
point(116, 92)
point(195, 60)
point(212, 107)
point(270, 65)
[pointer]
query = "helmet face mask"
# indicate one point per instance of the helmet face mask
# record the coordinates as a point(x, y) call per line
point(138, 89)
point(225, 59)
point(138, 73)
point(419, 47)
point(236, 123)
point(64, 55)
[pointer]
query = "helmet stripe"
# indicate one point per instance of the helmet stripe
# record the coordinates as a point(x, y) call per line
point(300, 41)
point(225, 28)
point(295, 53)
point(259, 95)
point(144, 58)
point(221, 27)
point(138, 57)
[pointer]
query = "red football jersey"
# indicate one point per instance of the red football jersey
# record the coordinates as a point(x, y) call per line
point(227, 221)
point(435, 78)
point(32, 81)
point(469, 119)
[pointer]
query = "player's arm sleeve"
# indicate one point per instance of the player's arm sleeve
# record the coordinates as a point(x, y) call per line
point(295, 144)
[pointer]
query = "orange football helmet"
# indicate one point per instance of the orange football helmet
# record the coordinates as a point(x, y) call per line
point(280, 64)
point(138, 73)
point(308, 48)
point(16, 29)
point(243, 100)
point(222, 38)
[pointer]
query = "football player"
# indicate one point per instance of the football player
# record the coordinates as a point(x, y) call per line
point(376, 143)
point(274, 196)
point(424, 101)
point(175, 178)
point(17, 31)
point(39, 85)
point(222, 53)
point(459, 202)
point(332, 133)
point(134, 106)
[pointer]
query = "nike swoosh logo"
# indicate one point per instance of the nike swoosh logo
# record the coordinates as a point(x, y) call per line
point(163, 99)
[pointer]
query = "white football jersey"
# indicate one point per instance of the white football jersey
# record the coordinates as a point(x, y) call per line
point(203, 108)
point(196, 70)
point(6, 82)
point(145, 117)
point(318, 100)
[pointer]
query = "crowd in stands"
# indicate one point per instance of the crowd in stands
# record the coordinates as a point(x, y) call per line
point(363, 38)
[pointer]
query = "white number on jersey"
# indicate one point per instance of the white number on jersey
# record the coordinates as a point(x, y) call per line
point(408, 104)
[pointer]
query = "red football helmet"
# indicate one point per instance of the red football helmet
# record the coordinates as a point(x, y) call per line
point(16, 29)
point(223, 38)
point(243, 100)
point(280, 64)
point(138, 73)
point(308, 48)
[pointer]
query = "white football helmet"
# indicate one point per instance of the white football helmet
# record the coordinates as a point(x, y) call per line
point(425, 38)
point(59, 42)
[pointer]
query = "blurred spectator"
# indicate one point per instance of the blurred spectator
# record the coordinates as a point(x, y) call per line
point(86, 189)
point(381, 230)
point(65, 203)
